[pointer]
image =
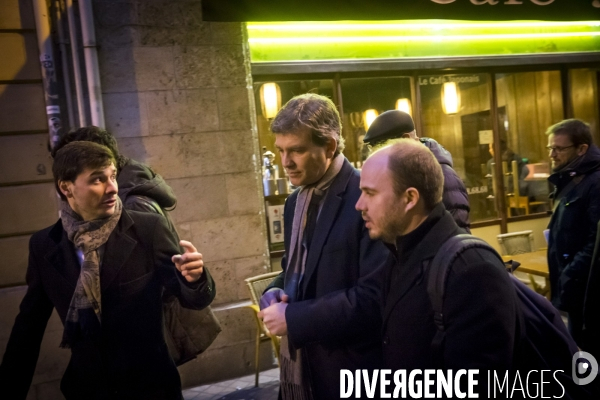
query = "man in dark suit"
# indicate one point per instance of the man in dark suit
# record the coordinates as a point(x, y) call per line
point(104, 269)
point(325, 302)
point(401, 204)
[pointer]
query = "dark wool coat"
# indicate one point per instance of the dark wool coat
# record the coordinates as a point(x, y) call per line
point(336, 319)
point(480, 306)
point(591, 307)
point(130, 359)
point(573, 228)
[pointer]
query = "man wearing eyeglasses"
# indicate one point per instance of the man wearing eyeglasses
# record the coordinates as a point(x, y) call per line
point(573, 226)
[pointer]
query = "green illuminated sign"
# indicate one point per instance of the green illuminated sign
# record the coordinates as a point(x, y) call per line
point(309, 41)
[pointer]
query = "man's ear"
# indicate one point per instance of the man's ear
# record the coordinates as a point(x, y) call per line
point(412, 198)
point(331, 148)
point(582, 149)
point(65, 188)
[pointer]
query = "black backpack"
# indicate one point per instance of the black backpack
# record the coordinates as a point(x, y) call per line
point(545, 342)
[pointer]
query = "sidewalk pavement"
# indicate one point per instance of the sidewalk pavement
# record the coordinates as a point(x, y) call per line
point(239, 388)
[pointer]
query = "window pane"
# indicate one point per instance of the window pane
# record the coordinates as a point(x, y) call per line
point(528, 103)
point(584, 95)
point(465, 131)
point(374, 94)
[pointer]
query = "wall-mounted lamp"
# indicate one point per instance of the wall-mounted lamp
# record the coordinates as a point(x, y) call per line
point(404, 105)
point(450, 98)
point(369, 117)
point(270, 99)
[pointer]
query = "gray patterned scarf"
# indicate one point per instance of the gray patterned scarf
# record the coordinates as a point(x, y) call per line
point(85, 311)
point(295, 383)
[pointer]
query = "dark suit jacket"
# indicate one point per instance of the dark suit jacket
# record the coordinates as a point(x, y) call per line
point(130, 359)
point(336, 319)
point(480, 306)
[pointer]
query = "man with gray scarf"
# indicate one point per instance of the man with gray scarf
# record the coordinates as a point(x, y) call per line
point(574, 222)
point(104, 269)
point(325, 303)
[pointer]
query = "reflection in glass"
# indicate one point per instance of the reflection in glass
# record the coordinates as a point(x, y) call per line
point(528, 103)
point(584, 97)
point(404, 105)
point(466, 134)
point(362, 94)
point(370, 116)
point(450, 98)
point(270, 99)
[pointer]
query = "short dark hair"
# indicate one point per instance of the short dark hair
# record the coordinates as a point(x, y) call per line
point(313, 111)
point(92, 134)
point(414, 165)
point(578, 131)
point(73, 158)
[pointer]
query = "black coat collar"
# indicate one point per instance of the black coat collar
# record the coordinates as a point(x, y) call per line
point(425, 250)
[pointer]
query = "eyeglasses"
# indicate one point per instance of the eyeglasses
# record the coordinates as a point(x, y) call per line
point(558, 149)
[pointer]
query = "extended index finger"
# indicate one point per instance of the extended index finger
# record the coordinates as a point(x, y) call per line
point(188, 246)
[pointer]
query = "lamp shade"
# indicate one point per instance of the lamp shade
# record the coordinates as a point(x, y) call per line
point(270, 99)
point(404, 105)
point(450, 98)
point(369, 117)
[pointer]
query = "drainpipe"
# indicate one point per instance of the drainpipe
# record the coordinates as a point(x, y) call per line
point(48, 67)
point(91, 62)
point(76, 64)
point(65, 64)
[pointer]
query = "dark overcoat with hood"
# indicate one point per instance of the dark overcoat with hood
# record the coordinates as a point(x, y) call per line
point(573, 229)
point(454, 196)
point(336, 319)
point(591, 305)
point(142, 189)
point(129, 359)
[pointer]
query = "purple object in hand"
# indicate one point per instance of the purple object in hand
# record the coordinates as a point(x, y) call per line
point(268, 297)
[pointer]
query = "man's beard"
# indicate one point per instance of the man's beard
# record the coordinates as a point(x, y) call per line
point(570, 164)
point(393, 227)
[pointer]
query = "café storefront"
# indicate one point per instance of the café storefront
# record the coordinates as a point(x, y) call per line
point(485, 78)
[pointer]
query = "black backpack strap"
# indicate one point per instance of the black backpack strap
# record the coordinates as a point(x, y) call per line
point(565, 191)
point(142, 203)
point(438, 274)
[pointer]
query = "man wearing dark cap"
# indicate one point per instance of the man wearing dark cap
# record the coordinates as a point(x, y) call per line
point(394, 124)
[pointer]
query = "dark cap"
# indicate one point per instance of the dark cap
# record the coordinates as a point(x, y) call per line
point(389, 125)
